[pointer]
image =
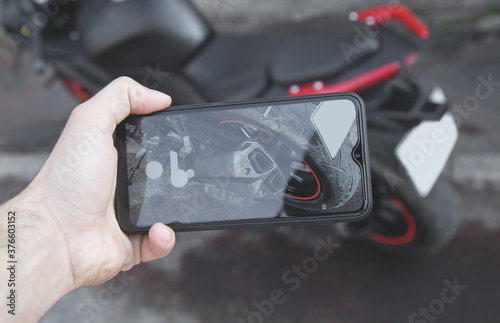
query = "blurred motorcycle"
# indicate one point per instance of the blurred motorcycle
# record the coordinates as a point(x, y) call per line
point(168, 45)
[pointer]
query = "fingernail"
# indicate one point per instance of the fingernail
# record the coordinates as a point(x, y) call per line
point(159, 94)
point(165, 234)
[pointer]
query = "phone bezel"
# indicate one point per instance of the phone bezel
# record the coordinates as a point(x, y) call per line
point(122, 196)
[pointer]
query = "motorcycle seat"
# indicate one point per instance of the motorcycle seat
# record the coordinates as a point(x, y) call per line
point(239, 67)
point(305, 57)
point(232, 67)
point(141, 32)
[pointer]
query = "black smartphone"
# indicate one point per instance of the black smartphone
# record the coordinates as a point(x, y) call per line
point(297, 160)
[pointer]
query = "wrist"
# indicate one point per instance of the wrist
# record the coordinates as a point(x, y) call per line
point(41, 260)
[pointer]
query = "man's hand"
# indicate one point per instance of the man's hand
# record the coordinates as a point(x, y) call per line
point(68, 210)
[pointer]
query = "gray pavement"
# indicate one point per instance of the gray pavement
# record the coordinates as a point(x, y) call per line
point(220, 276)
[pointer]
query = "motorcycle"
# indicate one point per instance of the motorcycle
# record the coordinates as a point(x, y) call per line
point(168, 45)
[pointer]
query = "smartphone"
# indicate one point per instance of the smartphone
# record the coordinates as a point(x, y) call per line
point(296, 160)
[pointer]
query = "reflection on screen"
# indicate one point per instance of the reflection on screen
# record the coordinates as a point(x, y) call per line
point(208, 165)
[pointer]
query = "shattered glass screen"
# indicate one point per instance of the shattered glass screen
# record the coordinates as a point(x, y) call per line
point(219, 164)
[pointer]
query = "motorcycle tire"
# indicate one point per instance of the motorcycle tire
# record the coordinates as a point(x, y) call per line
point(402, 223)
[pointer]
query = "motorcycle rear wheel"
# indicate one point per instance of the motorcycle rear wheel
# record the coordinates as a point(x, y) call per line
point(403, 223)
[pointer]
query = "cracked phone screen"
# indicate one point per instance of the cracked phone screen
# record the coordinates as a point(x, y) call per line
point(243, 163)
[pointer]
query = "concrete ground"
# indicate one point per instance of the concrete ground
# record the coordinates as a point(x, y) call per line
point(220, 276)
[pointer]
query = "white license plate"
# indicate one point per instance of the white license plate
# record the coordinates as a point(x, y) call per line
point(425, 149)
